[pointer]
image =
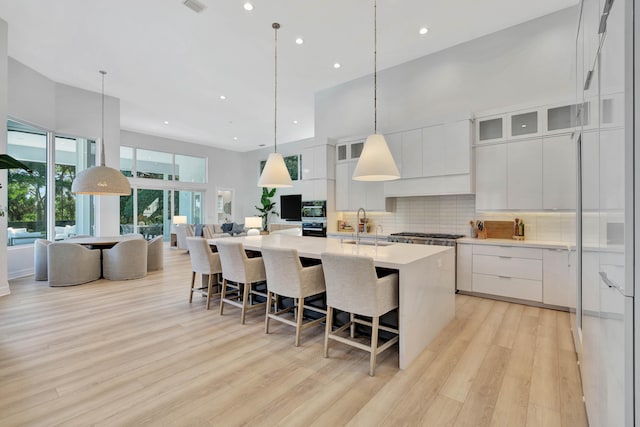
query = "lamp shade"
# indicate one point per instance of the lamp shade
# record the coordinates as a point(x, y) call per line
point(376, 162)
point(101, 181)
point(179, 219)
point(275, 173)
point(253, 222)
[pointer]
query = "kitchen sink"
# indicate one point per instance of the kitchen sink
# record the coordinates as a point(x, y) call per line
point(366, 243)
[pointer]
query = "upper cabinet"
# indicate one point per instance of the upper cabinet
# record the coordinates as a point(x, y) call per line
point(314, 162)
point(434, 160)
point(524, 124)
point(491, 129)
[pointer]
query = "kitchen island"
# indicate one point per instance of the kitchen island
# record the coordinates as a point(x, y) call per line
point(426, 281)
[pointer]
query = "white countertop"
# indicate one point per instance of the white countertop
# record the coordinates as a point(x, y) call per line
point(392, 256)
point(543, 244)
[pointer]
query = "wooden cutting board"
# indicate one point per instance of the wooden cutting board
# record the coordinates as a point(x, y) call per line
point(499, 229)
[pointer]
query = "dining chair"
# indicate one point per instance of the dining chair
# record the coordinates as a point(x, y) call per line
point(40, 258)
point(71, 264)
point(126, 260)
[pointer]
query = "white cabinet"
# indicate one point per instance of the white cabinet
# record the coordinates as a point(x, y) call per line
point(559, 276)
point(491, 177)
point(524, 124)
point(351, 195)
point(559, 172)
point(612, 160)
point(524, 175)
point(491, 128)
point(412, 154)
point(446, 149)
point(464, 271)
point(394, 142)
point(314, 162)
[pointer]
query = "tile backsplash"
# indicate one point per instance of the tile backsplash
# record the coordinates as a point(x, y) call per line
point(451, 214)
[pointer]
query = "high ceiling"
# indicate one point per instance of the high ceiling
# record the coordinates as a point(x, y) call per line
point(167, 63)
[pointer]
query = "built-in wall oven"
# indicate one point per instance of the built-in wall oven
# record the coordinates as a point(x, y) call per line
point(314, 218)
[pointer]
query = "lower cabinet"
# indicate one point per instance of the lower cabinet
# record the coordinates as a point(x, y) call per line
point(542, 275)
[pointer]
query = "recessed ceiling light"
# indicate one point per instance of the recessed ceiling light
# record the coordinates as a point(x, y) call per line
point(248, 6)
point(299, 40)
point(423, 30)
point(223, 97)
point(336, 65)
point(524, 126)
point(166, 122)
point(235, 138)
point(295, 122)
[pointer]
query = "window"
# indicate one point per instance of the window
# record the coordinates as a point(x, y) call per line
point(154, 164)
point(126, 161)
point(190, 169)
point(28, 193)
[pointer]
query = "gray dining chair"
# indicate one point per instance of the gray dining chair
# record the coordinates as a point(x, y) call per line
point(71, 264)
point(286, 277)
point(155, 254)
point(353, 286)
point(40, 259)
point(126, 260)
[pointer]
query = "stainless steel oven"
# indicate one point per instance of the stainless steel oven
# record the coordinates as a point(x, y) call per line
point(314, 218)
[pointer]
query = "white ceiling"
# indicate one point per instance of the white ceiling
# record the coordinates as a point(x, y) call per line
point(167, 63)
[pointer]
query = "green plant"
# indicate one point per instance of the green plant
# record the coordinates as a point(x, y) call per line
point(267, 207)
point(8, 162)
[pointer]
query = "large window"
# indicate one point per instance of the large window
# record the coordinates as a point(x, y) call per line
point(160, 165)
point(28, 200)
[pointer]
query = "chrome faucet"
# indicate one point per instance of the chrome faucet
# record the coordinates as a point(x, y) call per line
point(364, 225)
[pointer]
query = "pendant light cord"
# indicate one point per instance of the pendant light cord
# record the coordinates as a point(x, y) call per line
point(375, 67)
point(275, 26)
point(102, 162)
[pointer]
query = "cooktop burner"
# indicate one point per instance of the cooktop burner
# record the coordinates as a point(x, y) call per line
point(428, 235)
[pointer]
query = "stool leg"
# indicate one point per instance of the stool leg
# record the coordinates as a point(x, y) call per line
point(245, 299)
point(352, 329)
point(209, 290)
point(327, 330)
point(266, 317)
point(193, 281)
point(374, 344)
point(223, 294)
point(299, 319)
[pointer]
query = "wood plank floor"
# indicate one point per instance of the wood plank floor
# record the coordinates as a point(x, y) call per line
point(136, 353)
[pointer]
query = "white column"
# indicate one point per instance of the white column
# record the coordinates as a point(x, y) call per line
point(4, 73)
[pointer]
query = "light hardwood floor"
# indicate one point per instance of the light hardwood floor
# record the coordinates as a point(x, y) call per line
point(136, 353)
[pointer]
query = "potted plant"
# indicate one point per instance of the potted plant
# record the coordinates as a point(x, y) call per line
point(267, 207)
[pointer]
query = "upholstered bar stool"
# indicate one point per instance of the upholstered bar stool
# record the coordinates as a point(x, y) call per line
point(287, 278)
point(205, 262)
point(353, 286)
point(40, 258)
point(244, 272)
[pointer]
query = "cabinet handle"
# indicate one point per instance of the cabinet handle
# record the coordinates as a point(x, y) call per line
point(504, 257)
point(505, 277)
point(610, 283)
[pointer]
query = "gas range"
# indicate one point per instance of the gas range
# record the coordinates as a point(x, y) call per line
point(439, 239)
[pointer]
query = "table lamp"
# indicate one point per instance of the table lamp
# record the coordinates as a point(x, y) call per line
point(253, 223)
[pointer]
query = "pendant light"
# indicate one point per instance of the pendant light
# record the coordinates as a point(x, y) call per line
point(275, 173)
point(376, 162)
point(101, 180)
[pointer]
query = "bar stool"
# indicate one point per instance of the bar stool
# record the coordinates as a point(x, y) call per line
point(287, 278)
point(353, 286)
point(244, 272)
point(203, 261)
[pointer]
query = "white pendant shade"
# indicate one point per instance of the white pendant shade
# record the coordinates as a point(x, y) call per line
point(101, 181)
point(275, 173)
point(376, 162)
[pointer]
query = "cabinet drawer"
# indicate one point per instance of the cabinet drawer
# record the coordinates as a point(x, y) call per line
point(522, 268)
point(508, 287)
point(508, 251)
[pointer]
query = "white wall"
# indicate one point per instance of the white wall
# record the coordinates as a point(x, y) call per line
point(226, 169)
point(4, 71)
point(528, 63)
